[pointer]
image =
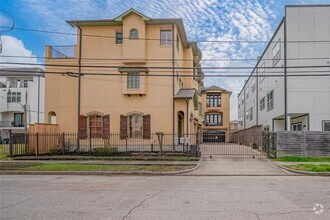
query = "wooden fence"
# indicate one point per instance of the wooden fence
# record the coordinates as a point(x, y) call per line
point(248, 136)
point(303, 143)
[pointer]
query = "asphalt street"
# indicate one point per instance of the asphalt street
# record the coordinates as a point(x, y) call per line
point(164, 197)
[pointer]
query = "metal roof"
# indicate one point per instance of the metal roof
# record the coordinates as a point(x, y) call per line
point(185, 94)
point(24, 71)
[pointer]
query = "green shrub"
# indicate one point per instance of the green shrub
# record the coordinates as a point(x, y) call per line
point(255, 146)
point(104, 151)
point(55, 151)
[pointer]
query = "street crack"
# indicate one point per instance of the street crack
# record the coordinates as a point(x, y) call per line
point(137, 206)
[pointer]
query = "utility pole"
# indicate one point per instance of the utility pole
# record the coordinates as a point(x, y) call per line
point(79, 84)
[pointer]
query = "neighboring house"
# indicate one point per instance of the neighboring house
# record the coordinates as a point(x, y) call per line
point(298, 41)
point(128, 99)
point(21, 90)
point(233, 126)
point(216, 112)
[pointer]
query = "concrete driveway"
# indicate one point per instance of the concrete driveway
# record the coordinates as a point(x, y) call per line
point(234, 159)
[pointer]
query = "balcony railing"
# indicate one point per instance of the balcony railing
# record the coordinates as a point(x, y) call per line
point(11, 124)
point(213, 124)
point(62, 51)
point(18, 84)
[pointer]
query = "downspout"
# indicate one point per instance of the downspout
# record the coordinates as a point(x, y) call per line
point(244, 108)
point(38, 96)
point(79, 83)
point(173, 88)
point(285, 79)
point(187, 117)
point(257, 96)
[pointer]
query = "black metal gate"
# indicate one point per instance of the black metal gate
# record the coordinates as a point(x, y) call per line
point(13, 143)
point(214, 145)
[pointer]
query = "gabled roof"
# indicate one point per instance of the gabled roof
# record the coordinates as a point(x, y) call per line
point(205, 89)
point(130, 11)
point(150, 21)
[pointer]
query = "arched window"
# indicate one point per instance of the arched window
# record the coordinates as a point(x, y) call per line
point(133, 34)
point(135, 126)
point(95, 125)
point(52, 118)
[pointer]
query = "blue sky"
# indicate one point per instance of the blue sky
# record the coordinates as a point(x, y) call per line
point(204, 20)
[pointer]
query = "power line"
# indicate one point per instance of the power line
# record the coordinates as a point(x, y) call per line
point(170, 75)
point(165, 67)
point(158, 39)
point(169, 60)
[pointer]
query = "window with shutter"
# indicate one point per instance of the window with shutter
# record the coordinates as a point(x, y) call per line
point(106, 127)
point(123, 126)
point(82, 130)
point(146, 127)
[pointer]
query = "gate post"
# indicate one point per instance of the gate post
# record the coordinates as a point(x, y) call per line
point(37, 153)
point(10, 144)
point(63, 143)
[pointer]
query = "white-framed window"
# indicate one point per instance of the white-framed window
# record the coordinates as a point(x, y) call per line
point(253, 84)
point(213, 119)
point(166, 37)
point(277, 52)
point(296, 126)
point(133, 34)
point(241, 121)
point(262, 72)
point(262, 104)
point(135, 126)
point(326, 125)
point(177, 42)
point(247, 93)
point(14, 97)
point(266, 128)
point(119, 37)
point(251, 113)
point(133, 80)
point(25, 83)
point(270, 100)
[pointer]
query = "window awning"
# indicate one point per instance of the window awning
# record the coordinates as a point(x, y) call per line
point(185, 94)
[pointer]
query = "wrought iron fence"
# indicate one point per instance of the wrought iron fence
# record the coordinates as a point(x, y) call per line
point(269, 143)
point(113, 144)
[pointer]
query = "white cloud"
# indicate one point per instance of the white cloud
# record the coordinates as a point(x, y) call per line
point(203, 19)
point(12, 46)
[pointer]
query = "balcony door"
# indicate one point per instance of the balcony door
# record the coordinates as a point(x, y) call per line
point(18, 119)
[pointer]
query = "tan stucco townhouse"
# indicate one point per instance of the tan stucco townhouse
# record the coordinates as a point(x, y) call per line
point(125, 84)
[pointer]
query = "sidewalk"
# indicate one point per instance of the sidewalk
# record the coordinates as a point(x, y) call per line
point(106, 162)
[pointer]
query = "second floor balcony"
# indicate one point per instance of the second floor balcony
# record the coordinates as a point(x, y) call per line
point(11, 124)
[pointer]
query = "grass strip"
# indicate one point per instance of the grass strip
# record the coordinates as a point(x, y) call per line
point(303, 159)
point(95, 167)
point(311, 167)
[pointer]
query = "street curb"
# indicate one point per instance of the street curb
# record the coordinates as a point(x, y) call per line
point(308, 173)
point(95, 173)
